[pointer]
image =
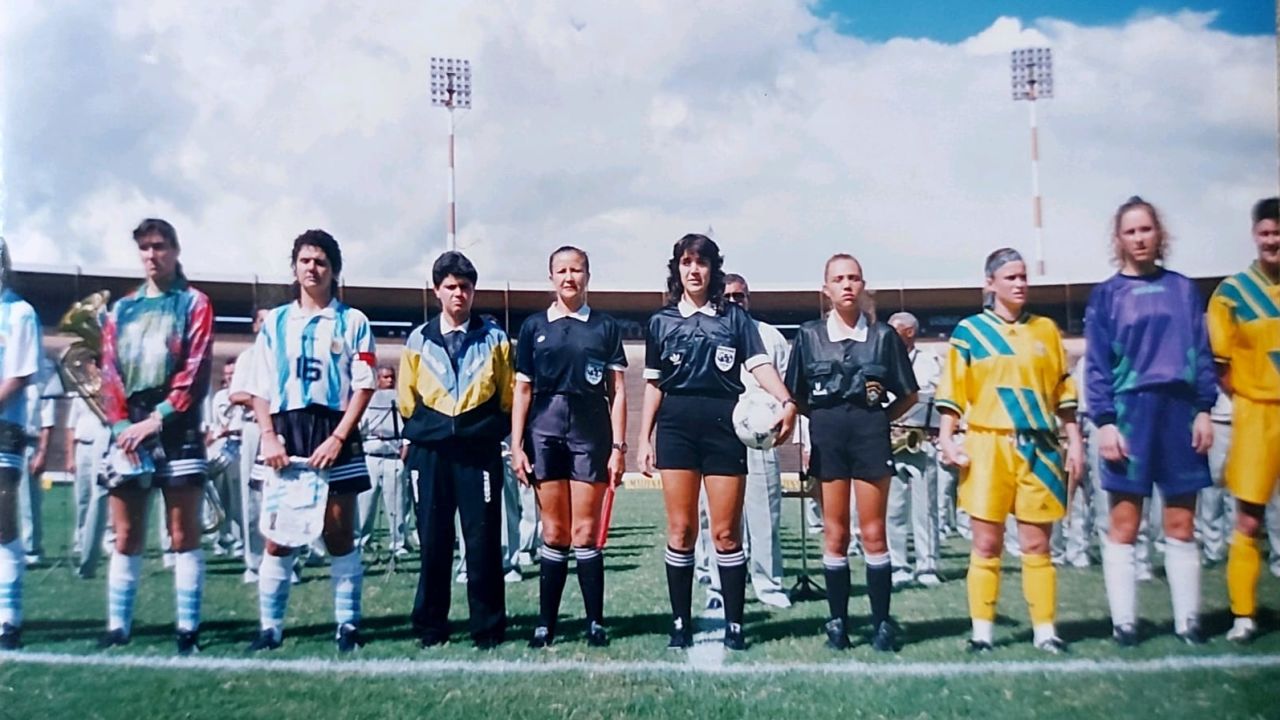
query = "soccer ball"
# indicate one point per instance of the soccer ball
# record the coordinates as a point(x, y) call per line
point(754, 419)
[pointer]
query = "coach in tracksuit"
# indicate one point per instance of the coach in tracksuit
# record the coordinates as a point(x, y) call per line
point(455, 391)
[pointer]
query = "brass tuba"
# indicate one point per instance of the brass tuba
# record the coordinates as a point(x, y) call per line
point(908, 440)
point(78, 363)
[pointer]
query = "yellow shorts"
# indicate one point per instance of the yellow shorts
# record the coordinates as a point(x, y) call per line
point(1013, 472)
point(1253, 460)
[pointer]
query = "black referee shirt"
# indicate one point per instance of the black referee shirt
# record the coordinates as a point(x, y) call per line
point(699, 351)
point(826, 373)
point(569, 354)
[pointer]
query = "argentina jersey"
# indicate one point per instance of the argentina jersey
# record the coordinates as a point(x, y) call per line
point(19, 358)
point(319, 359)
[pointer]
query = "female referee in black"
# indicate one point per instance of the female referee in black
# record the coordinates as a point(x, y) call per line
point(568, 422)
point(852, 376)
point(696, 348)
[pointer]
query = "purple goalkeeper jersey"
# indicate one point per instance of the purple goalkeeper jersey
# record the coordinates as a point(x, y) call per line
point(1145, 333)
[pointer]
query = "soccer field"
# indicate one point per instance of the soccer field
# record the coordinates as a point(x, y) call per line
point(787, 672)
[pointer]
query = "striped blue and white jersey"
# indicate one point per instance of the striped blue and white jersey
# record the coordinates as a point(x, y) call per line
point(20, 352)
point(303, 359)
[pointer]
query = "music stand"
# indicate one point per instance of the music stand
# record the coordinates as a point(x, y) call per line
point(805, 587)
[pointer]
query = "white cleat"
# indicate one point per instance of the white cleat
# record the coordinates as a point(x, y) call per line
point(929, 579)
point(1242, 631)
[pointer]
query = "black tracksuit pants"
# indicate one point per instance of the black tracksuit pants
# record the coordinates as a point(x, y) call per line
point(462, 476)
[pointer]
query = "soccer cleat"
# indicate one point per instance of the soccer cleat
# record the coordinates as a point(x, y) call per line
point(430, 640)
point(1126, 636)
point(513, 576)
point(10, 637)
point(1144, 573)
point(487, 642)
point(113, 638)
point(1052, 645)
point(188, 642)
point(886, 637)
point(1243, 631)
point(268, 639)
point(461, 579)
point(929, 579)
point(400, 553)
point(681, 636)
point(733, 639)
point(542, 637)
point(1192, 634)
point(349, 638)
point(596, 636)
point(976, 646)
point(902, 578)
point(837, 638)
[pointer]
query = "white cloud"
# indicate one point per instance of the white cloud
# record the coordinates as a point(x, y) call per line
point(618, 127)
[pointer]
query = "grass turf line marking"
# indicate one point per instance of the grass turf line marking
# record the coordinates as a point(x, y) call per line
point(394, 668)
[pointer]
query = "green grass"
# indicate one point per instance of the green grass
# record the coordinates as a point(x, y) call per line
point(65, 615)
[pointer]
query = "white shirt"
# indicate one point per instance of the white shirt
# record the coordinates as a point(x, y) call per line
point(687, 308)
point(41, 392)
point(85, 426)
point(837, 330)
point(554, 313)
point(927, 367)
point(447, 326)
point(223, 416)
point(776, 349)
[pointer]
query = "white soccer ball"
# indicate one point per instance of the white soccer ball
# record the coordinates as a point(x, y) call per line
point(754, 420)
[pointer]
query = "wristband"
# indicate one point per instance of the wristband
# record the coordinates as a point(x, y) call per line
point(338, 437)
point(620, 446)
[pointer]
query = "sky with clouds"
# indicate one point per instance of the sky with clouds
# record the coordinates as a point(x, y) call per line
point(791, 130)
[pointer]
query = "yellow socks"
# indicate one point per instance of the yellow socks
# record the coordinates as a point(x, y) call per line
point(984, 587)
point(1244, 563)
point(1040, 588)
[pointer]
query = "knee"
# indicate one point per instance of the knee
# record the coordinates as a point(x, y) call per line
point(1123, 530)
point(1035, 546)
point(836, 542)
point(557, 535)
point(584, 533)
point(182, 541)
point(988, 547)
point(681, 535)
point(727, 539)
point(873, 536)
point(1249, 519)
point(339, 541)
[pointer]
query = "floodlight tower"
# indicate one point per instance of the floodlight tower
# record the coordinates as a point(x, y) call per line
point(1032, 80)
point(450, 89)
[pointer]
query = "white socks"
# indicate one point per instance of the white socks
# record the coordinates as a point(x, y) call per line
point(347, 572)
point(1119, 574)
point(274, 576)
point(12, 565)
point(1182, 567)
point(188, 586)
point(122, 587)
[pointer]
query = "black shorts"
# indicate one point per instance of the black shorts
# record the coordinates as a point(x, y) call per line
point(302, 431)
point(569, 438)
point(178, 453)
point(848, 442)
point(695, 432)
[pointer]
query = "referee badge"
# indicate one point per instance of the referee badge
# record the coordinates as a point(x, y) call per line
point(725, 356)
point(594, 372)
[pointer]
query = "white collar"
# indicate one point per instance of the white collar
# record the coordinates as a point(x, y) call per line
point(837, 330)
point(554, 313)
point(328, 311)
point(447, 326)
point(687, 309)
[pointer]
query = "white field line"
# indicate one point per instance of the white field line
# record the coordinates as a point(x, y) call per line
point(402, 668)
point(707, 653)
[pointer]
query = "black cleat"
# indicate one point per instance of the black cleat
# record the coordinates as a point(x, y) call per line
point(267, 640)
point(1052, 645)
point(10, 637)
point(431, 640)
point(188, 642)
point(349, 638)
point(542, 637)
point(487, 642)
point(977, 647)
point(885, 638)
point(681, 636)
point(837, 637)
point(1192, 635)
point(113, 638)
point(1126, 636)
point(733, 639)
point(596, 636)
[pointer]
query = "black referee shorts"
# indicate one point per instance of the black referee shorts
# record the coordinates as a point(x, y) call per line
point(569, 438)
point(848, 442)
point(695, 432)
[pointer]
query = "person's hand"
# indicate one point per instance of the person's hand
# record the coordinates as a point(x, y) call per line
point(272, 451)
point(645, 458)
point(785, 422)
point(1111, 444)
point(1075, 464)
point(133, 436)
point(617, 466)
point(71, 462)
point(404, 453)
point(37, 463)
point(1202, 433)
point(952, 454)
point(521, 466)
point(324, 455)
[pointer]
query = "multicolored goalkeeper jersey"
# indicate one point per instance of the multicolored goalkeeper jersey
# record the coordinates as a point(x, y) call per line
point(1010, 376)
point(1146, 333)
point(320, 358)
point(1244, 330)
point(162, 342)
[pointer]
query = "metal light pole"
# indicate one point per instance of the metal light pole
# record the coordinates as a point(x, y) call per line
point(1032, 80)
point(450, 89)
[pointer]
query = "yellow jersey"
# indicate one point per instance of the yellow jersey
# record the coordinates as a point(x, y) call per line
point(1244, 331)
point(1011, 376)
